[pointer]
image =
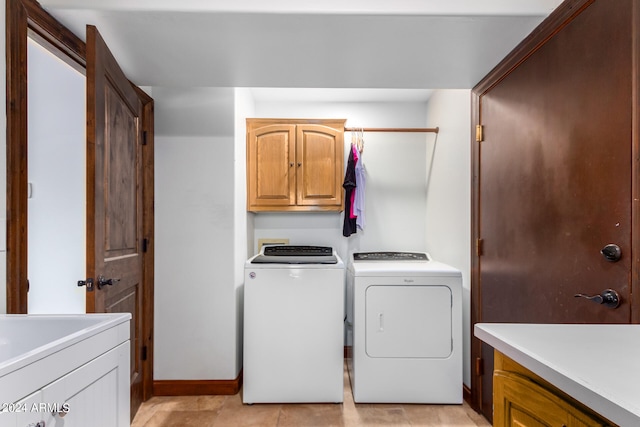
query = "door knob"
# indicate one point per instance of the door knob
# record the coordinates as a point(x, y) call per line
point(88, 283)
point(611, 252)
point(608, 297)
point(102, 281)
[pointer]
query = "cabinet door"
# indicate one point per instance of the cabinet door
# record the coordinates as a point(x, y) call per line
point(520, 402)
point(271, 165)
point(28, 412)
point(320, 153)
point(96, 394)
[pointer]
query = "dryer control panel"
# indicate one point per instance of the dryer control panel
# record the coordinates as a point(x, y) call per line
point(390, 256)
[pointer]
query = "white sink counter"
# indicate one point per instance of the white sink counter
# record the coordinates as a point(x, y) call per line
point(27, 338)
point(72, 366)
point(598, 365)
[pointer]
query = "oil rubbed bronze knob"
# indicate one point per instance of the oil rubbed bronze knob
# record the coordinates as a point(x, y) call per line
point(609, 298)
point(103, 281)
point(611, 252)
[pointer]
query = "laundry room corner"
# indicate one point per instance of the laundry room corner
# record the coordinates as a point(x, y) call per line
point(395, 164)
point(448, 218)
point(195, 232)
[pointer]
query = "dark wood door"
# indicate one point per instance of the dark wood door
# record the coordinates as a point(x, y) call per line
point(114, 197)
point(555, 179)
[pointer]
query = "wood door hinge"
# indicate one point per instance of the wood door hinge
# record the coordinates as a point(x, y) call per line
point(144, 137)
point(144, 353)
point(479, 366)
point(479, 247)
point(479, 133)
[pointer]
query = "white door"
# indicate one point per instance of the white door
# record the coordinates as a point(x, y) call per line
point(408, 321)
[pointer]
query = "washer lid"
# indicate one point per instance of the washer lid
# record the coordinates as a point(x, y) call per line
point(291, 254)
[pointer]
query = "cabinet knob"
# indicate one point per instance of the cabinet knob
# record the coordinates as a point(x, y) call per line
point(291, 164)
point(299, 164)
point(61, 411)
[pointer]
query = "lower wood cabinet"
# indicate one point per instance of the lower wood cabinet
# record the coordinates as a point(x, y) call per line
point(522, 399)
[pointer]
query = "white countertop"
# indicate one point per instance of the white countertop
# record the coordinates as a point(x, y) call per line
point(25, 338)
point(598, 365)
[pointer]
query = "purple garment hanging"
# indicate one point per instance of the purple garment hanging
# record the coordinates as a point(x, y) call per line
point(358, 204)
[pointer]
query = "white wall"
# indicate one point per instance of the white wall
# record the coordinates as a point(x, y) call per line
point(57, 175)
point(3, 167)
point(196, 330)
point(448, 215)
point(243, 222)
point(193, 275)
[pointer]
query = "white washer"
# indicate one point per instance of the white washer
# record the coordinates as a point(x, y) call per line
point(405, 311)
point(293, 326)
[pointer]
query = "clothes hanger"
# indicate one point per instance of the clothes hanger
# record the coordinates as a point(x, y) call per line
point(360, 141)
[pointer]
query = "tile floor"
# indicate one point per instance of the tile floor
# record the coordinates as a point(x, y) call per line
point(205, 411)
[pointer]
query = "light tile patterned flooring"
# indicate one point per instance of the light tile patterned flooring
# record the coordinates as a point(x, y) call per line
point(206, 411)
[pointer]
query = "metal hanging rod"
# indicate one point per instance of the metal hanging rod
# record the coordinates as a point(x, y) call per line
point(415, 130)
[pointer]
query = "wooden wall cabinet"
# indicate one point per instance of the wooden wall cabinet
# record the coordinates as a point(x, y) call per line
point(295, 165)
point(521, 398)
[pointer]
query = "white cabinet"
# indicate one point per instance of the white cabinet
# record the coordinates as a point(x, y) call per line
point(89, 395)
point(81, 381)
point(23, 414)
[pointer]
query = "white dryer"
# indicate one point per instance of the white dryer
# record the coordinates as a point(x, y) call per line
point(405, 315)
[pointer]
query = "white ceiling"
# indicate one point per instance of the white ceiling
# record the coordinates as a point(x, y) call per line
point(398, 46)
point(385, 7)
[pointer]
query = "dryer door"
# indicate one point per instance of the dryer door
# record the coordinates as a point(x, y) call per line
point(408, 321)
